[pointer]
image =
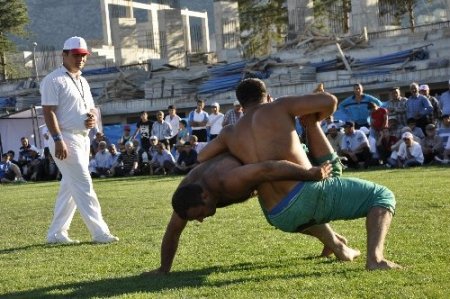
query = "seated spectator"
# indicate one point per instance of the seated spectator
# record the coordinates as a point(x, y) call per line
point(384, 145)
point(12, 154)
point(51, 171)
point(331, 121)
point(9, 172)
point(187, 159)
point(378, 119)
point(35, 166)
point(162, 162)
point(177, 149)
point(432, 144)
point(410, 153)
point(99, 136)
point(26, 152)
point(395, 127)
point(114, 154)
point(197, 146)
point(415, 130)
point(102, 161)
point(444, 133)
point(126, 135)
point(396, 146)
point(334, 136)
point(183, 134)
point(127, 163)
point(355, 147)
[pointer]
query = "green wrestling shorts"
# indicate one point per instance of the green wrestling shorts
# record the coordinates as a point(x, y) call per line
point(320, 202)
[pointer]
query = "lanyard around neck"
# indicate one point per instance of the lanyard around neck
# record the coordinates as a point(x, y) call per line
point(80, 91)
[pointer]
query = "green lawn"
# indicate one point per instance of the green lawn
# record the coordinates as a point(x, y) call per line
point(235, 254)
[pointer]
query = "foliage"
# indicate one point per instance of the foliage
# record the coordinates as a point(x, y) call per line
point(234, 254)
point(327, 12)
point(13, 18)
point(263, 25)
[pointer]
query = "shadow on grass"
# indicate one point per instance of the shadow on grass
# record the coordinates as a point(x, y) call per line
point(159, 283)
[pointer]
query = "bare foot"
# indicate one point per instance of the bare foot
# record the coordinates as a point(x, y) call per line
point(382, 265)
point(326, 251)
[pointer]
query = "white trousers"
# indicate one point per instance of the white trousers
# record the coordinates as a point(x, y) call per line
point(76, 189)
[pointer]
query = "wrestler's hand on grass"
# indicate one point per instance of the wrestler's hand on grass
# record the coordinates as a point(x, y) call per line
point(321, 172)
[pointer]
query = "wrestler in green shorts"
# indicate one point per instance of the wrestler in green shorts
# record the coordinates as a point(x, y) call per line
point(335, 198)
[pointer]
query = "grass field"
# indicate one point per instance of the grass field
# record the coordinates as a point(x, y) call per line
point(235, 254)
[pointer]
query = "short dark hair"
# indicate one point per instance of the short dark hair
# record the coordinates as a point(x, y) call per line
point(185, 197)
point(11, 153)
point(371, 105)
point(183, 122)
point(411, 120)
point(250, 91)
point(171, 107)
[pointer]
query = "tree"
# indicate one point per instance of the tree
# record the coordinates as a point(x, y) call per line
point(13, 18)
point(263, 25)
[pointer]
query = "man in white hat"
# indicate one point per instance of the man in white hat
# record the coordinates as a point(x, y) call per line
point(444, 101)
point(70, 113)
point(215, 121)
point(233, 115)
point(424, 90)
point(409, 154)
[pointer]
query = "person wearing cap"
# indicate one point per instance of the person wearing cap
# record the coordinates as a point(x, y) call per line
point(355, 147)
point(198, 119)
point(409, 154)
point(162, 129)
point(355, 106)
point(215, 121)
point(424, 90)
point(126, 136)
point(296, 206)
point(418, 107)
point(444, 101)
point(233, 115)
point(431, 144)
point(444, 133)
point(397, 106)
point(174, 120)
point(334, 136)
point(70, 114)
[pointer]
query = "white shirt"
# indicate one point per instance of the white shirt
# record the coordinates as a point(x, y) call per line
point(352, 142)
point(73, 98)
point(174, 122)
point(415, 151)
point(215, 123)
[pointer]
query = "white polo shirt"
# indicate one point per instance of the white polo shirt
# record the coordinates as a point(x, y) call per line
point(72, 97)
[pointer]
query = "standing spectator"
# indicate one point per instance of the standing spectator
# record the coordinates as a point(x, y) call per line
point(444, 101)
point(126, 136)
point(233, 115)
point(9, 172)
point(187, 159)
point(409, 154)
point(162, 129)
point(384, 145)
point(215, 121)
point(127, 162)
point(70, 113)
point(378, 119)
point(174, 120)
point(433, 117)
point(355, 106)
point(162, 162)
point(418, 107)
point(143, 127)
point(355, 147)
point(444, 133)
point(198, 119)
point(432, 144)
point(183, 133)
point(397, 106)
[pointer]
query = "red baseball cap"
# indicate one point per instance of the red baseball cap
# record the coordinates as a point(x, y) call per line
point(76, 45)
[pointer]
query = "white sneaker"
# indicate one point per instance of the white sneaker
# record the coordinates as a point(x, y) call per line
point(105, 239)
point(443, 161)
point(61, 239)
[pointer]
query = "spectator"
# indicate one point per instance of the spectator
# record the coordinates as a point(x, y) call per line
point(127, 162)
point(334, 136)
point(195, 145)
point(153, 149)
point(233, 115)
point(143, 127)
point(444, 133)
point(35, 166)
point(25, 154)
point(99, 137)
point(355, 147)
point(444, 101)
point(384, 145)
point(114, 155)
point(215, 121)
point(162, 129)
point(433, 117)
point(397, 107)
point(12, 154)
point(355, 106)
point(126, 136)
point(174, 120)
point(162, 162)
point(378, 119)
point(198, 119)
point(183, 133)
point(432, 144)
point(409, 154)
point(187, 159)
point(9, 172)
point(415, 130)
point(103, 161)
point(418, 107)
point(394, 127)
point(330, 120)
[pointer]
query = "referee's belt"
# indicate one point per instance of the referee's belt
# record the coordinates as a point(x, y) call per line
point(77, 132)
